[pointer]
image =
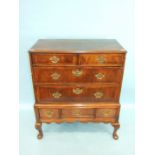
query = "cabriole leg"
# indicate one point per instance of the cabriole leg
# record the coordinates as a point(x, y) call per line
point(38, 126)
point(116, 127)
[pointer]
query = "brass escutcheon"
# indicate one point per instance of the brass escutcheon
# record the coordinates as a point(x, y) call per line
point(100, 59)
point(54, 59)
point(56, 95)
point(55, 76)
point(77, 72)
point(77, 91)
point(98, 94)
point(99, 76)
point(49, 113)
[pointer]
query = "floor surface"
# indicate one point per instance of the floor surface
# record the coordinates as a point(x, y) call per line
point(77, 138)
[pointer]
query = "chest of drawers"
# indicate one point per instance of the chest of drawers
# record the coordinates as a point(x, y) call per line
point(77, 80)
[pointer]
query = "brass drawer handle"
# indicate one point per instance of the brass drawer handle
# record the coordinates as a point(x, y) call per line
point(98, 94)
point(99, 76)
point(77, 72)
point(54, 59)
point(49, 113)
point(76, 112)
point(56, 95)
point(77, 91)
point(100, 59)
point(108, 113)
point(55, 76)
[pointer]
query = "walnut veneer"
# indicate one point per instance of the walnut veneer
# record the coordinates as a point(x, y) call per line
point(77, 80)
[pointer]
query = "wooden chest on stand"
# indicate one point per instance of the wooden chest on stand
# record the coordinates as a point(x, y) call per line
point(77, 80)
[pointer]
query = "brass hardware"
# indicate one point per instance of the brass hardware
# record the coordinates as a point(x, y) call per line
point(100, 59)
point(54, 59)
point(56, 95)
point(77, 91)
point(76, 112)
point(77, 72)
point(98, 94)
point(99, 76)
point(49, 113)
point(108, 112)
point(55, 76)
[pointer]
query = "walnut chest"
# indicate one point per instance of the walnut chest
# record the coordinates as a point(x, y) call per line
point(77, 80)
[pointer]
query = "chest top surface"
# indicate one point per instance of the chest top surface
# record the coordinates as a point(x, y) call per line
point(78, 46)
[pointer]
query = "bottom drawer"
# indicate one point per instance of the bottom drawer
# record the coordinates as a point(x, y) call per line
point(106, 112)
point(51, 114)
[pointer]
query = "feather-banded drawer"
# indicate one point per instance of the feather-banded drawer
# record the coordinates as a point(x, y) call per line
point(77, 74)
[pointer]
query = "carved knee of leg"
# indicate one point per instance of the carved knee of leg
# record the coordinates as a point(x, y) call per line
point(38, 125)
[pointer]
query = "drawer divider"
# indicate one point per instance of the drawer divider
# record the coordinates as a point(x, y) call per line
point(94, 112)
point(60, 113)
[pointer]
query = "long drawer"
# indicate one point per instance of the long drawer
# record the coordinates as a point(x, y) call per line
point(77, 93)
point(77, 74)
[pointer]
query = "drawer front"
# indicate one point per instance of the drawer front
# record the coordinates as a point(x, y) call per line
point(77, 113)
point(53, 59)
point(76, 74)
point(48, 113)
point(106, 112)
point(91, 93)
point(102, 59)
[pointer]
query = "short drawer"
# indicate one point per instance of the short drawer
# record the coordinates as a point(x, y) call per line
point(77, 113)
point(102, 59)
point(77, 74)
point(106, 112)
point(53, 59)
point(77, 93)
point(48, 113)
